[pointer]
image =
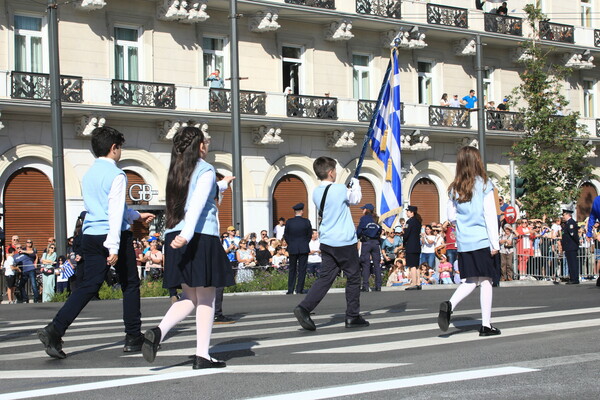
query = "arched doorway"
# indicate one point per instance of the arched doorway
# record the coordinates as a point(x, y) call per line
point(225, 208)
point(368, 196)
point(586, 198)
point(289, 191)
point(29, 207)
point(133, 179)
point(425, 196)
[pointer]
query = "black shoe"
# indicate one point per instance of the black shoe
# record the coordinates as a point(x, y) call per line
point(289, 293)
point(302, 292)
point(52, 341)
point(364, 289)
point(223, 319)
point(151, 344)
point(202, 363)
point(598, 282)
point(572, 283)
point(304, 319)
point(133, 343)
point(485, 331)
point(356, 322)
point(416, 287)
point(377, 289)
point(444, 315)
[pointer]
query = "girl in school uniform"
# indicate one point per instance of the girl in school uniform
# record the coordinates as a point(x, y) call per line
point(194, 256)
point(472, 205)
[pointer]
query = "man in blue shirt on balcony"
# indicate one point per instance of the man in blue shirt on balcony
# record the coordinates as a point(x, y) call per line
point(470, 100)
point(215, 80)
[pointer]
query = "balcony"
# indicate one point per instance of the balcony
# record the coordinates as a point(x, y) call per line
point(250, 102)
point(504, 121)
point(597, 37)
point(329, 4)
point(142, 94)
point(381, 8)
point(311, 107)
point(454, 117)
point(365, 109)
point(503, 24)
point(449, 16)
point(598, 128)
point(34, 86)
point(557, 32)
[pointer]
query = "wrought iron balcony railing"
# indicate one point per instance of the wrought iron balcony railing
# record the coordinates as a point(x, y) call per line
point(597, 37)
point(329, 4)
point(456, 117)
point(34, 86)
point(504, 121)
point(250, 102)
point(598, 127)
point(367, 107)
point(382, 8)
point(142, 94)
point(557, 32)
point(503, 24)
point(449, 16)
point(311, 107)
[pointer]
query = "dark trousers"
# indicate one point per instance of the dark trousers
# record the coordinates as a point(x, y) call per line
point(219, 301)
point(334, 260)
point(90, 279)
point(573, 262)
point(370, 251)
point(29, 276)
point(297, 267)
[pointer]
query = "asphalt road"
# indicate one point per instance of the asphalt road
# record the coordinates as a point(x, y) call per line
point(549, 349)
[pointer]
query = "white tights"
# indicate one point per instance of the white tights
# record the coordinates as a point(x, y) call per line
point(485, 296)
point(203, 300)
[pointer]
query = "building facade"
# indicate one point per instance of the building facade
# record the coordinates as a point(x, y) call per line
point(311, 72)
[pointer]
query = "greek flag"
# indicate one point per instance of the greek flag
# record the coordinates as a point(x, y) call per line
point(68, 270)
point(385, 143)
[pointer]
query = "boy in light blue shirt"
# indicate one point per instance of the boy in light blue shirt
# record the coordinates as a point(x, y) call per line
point(338, 245)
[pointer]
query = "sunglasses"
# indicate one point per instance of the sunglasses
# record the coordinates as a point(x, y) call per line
point(29, 241)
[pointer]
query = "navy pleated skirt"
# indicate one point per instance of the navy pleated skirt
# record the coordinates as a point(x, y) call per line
point(476, 263)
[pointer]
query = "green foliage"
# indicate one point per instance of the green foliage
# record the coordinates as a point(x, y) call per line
point(274, 280)
point(60, 297)
point(150, 288)
point(109, 292)
point(551, 154)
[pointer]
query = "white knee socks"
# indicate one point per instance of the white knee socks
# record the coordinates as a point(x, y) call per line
point(178, 311)
point(205, 314)
point(463, 290)
point(485, 296)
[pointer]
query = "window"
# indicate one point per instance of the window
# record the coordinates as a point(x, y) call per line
point(586, 13)
point(29, 47)
point(588, 98)
point(213, 56)
point(488, 78)
point(360, 77)
point(127, 53)
point(425, 82)
point(292, 68)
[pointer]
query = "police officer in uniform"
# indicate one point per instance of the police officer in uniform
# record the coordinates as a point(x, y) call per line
point(570, 245)
point(368, 232)
point(412, 245)
point(297, 234)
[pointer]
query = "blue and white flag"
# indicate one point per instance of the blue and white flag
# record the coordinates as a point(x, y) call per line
point(68, 270)
point(385, 143)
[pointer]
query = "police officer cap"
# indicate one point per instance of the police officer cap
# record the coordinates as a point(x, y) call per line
point(567, 211)
point(412, 208)
point(298, 207)
point(368, 206)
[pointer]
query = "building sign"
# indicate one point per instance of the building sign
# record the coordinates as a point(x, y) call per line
point(141, 192)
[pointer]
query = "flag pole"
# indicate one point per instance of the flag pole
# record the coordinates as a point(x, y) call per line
point(369, 133)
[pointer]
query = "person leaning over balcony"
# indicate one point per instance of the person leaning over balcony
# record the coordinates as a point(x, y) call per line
point(502, 10)
point(469, 101)
point(215, 80)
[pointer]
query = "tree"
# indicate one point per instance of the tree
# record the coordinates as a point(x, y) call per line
point(552, 152)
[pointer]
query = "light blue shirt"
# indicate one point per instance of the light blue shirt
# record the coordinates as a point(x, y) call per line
point(337, 228)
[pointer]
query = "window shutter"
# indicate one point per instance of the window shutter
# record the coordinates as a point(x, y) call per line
point(289, 191)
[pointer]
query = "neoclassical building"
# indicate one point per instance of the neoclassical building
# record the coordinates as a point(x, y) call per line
point(311, 72)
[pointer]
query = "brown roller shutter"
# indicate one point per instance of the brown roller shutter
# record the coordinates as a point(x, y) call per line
point(289, 191)
point(425, 196)
point(29, 208)
point(586, 198)
point(138, 228)
point(368, 196)
point(225, 208)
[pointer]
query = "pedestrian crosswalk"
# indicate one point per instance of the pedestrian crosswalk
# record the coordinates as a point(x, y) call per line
point(276, 342)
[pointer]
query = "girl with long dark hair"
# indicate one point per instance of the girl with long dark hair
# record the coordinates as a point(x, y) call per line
point(472, 204)
point(194, 257)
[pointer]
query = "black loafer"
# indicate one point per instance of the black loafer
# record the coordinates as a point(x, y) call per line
point(364, 289)
point(444, 315)
point(377, 289)
point(202, 363)
point(356, 322)
point(416, 287)
point(491, 331)
point(572, 283)
point(133, 343)
point(223, 320)
point(151, 344)
point(52, 341)
point(304, 319)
